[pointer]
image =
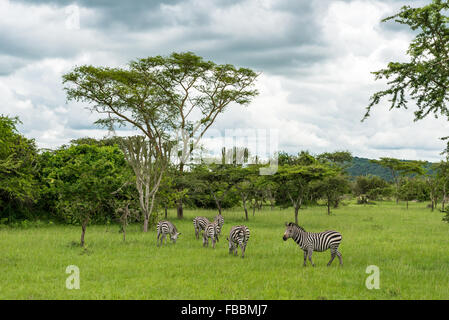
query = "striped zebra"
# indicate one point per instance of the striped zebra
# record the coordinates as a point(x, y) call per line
point(220, 221)
point(309, 241)
point(210, 231)
point(199, 223)
point(165, 227)
point(238, 236)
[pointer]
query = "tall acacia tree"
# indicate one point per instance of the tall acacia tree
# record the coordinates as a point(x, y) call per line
point(425, 77)
point(197, 91)
point(130, 97)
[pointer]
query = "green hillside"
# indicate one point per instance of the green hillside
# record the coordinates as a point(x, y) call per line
point(363, 166)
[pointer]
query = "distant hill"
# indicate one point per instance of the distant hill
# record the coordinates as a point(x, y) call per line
point(363, 167)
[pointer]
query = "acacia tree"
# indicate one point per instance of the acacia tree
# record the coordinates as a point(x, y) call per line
point(197, 91)
point(130, 97)
point(218, 180)
point(246, 185)
point(295, 181)
point(434, 187)
point(412, 189)
point(400, 169)
point(332, 188)
point(425, 77)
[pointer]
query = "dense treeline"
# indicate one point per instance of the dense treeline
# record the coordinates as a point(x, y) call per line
point(90, 181)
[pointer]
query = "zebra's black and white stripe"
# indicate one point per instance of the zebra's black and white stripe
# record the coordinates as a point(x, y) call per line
point(220, 221)
point(309, 241)
point(210, 231)
point(165, 227)
point(238, 236)
point(199, 223)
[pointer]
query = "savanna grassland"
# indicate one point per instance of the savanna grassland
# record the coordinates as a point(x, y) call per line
point(410, 247)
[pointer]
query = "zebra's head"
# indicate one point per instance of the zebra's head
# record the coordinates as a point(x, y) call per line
point(175, 236)
point(290, 230)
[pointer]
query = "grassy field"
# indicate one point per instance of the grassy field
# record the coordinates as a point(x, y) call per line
point(410, 247)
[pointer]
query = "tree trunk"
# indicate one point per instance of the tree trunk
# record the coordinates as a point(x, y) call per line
point(296, 214)
point(145, 222)
point(407, 204)
point(328, 206)
point(244, 207)
point(165, 207)
point(83, 230)
point(217, 202)
point(180, 210)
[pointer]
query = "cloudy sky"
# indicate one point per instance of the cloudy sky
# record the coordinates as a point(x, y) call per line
point(314, 56)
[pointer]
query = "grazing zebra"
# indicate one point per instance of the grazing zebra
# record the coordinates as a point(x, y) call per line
point(210, 231)
point(220, 221)
point(199, 223)
point(310, 242)
point(238, 236)
point(166, 227)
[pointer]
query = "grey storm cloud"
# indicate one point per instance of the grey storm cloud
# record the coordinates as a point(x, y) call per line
point(315, 65)
point(116, 26)
point(121, 22)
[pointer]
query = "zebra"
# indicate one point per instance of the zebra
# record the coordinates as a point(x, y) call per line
point(220, 221)
point(199, 223)
point(309, 241)
point(238, 236)
point(211, 231)
point(165, 227)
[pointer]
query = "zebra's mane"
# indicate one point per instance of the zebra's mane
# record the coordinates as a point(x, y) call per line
point(297, 226)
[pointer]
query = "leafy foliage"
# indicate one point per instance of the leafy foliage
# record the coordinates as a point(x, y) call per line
point(425, 77)
point(19, 186)
point(82, 180)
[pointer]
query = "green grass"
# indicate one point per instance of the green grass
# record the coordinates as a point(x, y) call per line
point(410, 247)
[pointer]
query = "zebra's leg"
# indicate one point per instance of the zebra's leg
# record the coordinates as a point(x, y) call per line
point(333, 254)
point(164, 237)
point(243, 250)
point(310, 251)
point(339, 257)
point(157, 240)
point(213, 242)
point(196, 233)
point(305, 258)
